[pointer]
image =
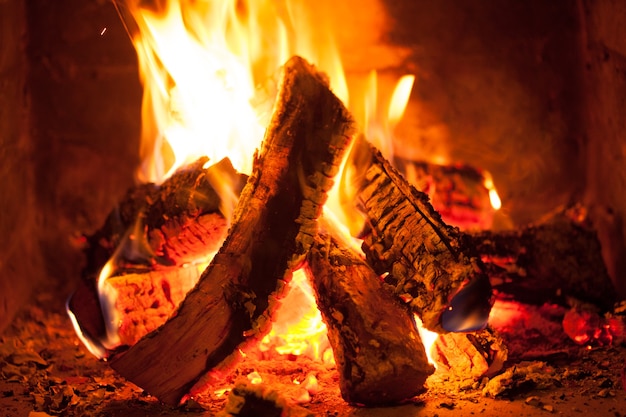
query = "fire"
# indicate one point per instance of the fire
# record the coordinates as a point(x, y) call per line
point(208, 74)
point(300, 330)
point(428, 339)
point(208, 71)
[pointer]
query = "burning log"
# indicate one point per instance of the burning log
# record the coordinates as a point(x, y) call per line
point(459, 193)
point(155, 227)
point(174, 223)
point(144, 301)
point(427, 263)
point(273, 227)
point(377, 348)
point(547, 262)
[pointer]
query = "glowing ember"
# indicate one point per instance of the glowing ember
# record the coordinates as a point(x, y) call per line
point(255, 378)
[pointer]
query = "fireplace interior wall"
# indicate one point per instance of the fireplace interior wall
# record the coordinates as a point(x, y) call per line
point(532, 92)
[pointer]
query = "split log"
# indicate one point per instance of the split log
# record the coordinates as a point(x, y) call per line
point(378, 350)
point(144, 301)
point(174, 223)
point(547, 262)
point(427, 263)
point(154, 226)
point(273, 227)
point(458, 192)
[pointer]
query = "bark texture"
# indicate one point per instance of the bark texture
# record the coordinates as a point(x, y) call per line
point(174, 223)
point(547, 262)
point(426, 262)
point(378, 350)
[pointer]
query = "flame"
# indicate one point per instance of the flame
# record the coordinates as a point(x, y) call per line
point(300, 330)
point(207, 70)
point(496, 203)
point(379, 125)
point(428, 339)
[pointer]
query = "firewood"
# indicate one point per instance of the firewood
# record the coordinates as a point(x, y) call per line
point(155, 226)
point(273, 227)
point(427, 262)
point(174, 223)
point(456, 191)
point(144, 301)
point(547, 262)
point(378, 350)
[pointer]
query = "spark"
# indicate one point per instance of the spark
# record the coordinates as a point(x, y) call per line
point(103, 30)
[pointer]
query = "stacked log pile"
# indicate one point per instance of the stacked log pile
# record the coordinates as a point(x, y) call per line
point(414, 263)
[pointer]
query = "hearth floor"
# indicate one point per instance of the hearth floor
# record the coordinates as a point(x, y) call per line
point(45, 370)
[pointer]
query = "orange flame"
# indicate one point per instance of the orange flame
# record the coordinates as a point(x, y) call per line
point(207, 71)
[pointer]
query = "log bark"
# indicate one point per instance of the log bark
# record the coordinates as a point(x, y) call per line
point(378, 350)
point(547, 262)
point(427, 263)
point(273, 227)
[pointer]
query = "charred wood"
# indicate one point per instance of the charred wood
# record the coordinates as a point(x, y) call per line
point(456, 191)
point(249, 400)
point(155, 227)
point(378, 350)
point(427, 262)
point(273, 227)
point(174, 223)
point(547, 262)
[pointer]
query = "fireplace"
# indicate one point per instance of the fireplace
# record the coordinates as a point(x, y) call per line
point(529, 92)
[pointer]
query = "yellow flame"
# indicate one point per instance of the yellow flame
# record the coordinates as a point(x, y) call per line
point(400, 99)
point(299, 328)
point(496, 203)
point(197, 91)
point(428, 339)
point(207, 71)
